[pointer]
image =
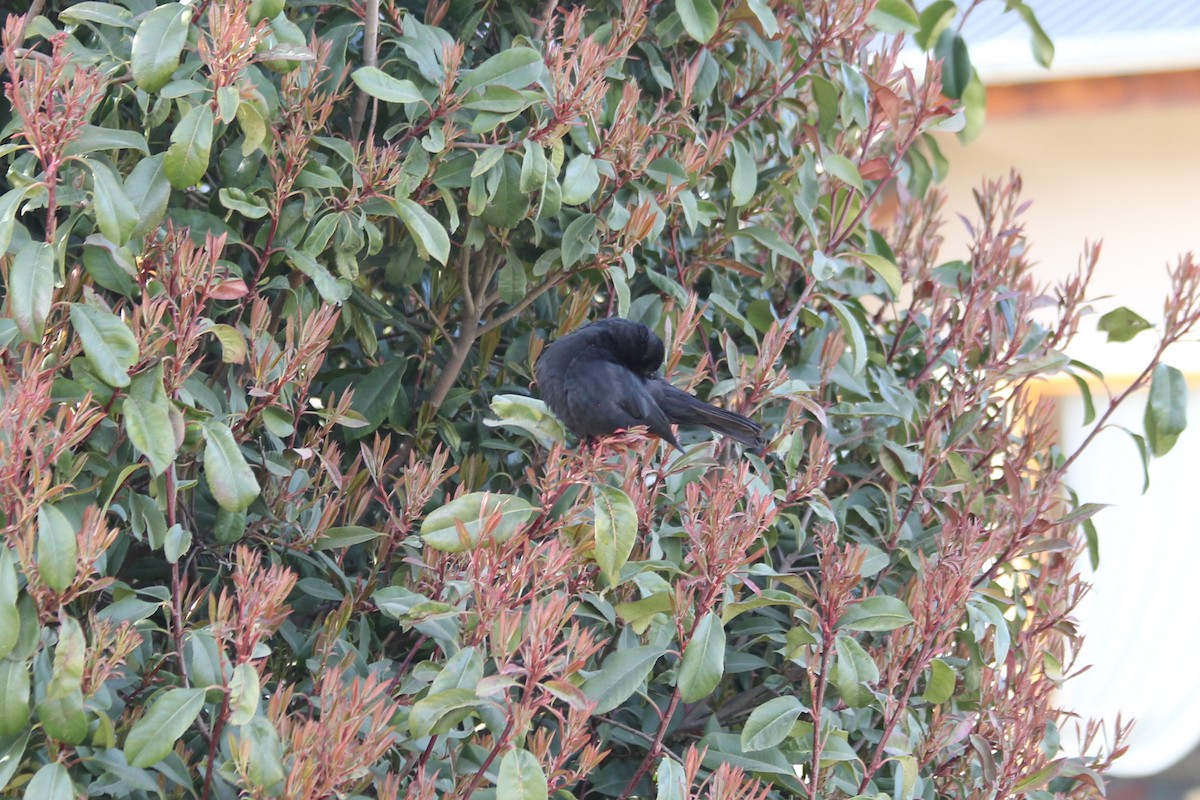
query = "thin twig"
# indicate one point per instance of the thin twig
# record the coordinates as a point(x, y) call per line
point(656, 747)
point(370, 59)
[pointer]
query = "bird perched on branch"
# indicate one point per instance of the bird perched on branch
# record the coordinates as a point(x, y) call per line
point(604, 377)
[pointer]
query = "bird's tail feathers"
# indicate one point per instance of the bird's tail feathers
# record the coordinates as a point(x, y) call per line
point(682, 408)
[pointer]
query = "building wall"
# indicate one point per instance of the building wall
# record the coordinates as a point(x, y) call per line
point(1115, 160)
point(1129, 176)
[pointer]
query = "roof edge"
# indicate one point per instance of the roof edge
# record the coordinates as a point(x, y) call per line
point(1008, 59)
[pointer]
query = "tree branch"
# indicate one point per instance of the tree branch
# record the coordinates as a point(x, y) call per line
point(370, 59)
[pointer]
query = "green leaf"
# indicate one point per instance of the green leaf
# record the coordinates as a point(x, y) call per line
point(994, 618)
point(460, 525)
point(463, 670)
point(515, 68)
point(528, 414)
point(264, 9)
point(512, 281)
point(724, 748)
point(115, 213)
point(509, 204)
point(31, 288)
point(12, 752)
point(10, 617)
point(934, 19)
point(579, 240)
point(100, 13)
point(621, 674)
point(244, 694)
point(671, 780)
point(580, 180)
point(375, 395)
point(974, 109)
point(233, 343)
point(939, 687)
point(956, 63)
point(191, 144)
point(703, 661)
point(640, 613)
point(249, 206)
point(521, 777)
point(884, 268)
point(894, 16)
point(345, 536)
point(853, 672)
point(699, 18)
point(616, 530)
point(14, 698)
point(158, 44)
point(66, 676)
point(176, 543)
point(842, 168)
point(854, 335)
point(880, 613)
point(51, 782)
point(149, 191)
point(332, 290)
point(533, 167)
point(1121, 324)
point(62, 718)
point(1166, 409)
point(745, 175)
point(253, 125)
point(773, 242)
point(1085, 394)
point(264, 754)
point(93, 138)
point(57, 548)
point(486, 159)
point(148, 425)
point(497, 99)
point(379, 84)
point(153, 736)
point(1043, 48)
point(285, 46)
point(10, 201)
point(229, 476)
point(427, 232)
point(107, 342)
point(770, 723)
point(1041, 777)
point(768, 25)
point(438, 713)
point(906, 777)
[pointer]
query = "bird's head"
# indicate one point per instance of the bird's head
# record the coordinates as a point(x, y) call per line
point(632, 344)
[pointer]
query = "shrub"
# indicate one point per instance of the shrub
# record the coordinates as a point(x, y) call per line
point(283, 521)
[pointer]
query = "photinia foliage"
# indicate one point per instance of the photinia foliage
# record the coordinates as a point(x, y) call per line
point(283, 516)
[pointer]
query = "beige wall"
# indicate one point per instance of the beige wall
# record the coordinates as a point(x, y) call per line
point(1130, 177)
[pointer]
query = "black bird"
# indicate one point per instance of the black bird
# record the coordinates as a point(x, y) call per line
point(604, 377)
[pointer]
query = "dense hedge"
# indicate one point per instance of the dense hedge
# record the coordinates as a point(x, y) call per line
point(283, 518)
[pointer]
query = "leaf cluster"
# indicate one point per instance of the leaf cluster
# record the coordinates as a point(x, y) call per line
point(282, 519)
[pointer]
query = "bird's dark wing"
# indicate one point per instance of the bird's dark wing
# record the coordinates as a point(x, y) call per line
point(601, 378)
point(602, 397)
point(680, 407)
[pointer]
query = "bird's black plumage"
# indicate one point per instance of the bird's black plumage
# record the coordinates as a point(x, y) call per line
point(604, 377)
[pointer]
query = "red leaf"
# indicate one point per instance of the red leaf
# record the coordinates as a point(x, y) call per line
point(887, 101)
point(875, 169)
point(230, 290)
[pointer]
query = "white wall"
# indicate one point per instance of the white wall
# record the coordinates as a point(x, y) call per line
point(1132, 178)
point(1128, 177)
